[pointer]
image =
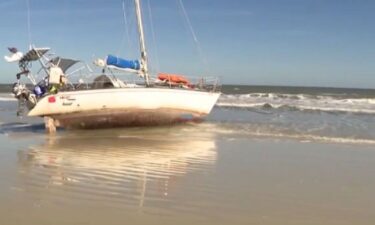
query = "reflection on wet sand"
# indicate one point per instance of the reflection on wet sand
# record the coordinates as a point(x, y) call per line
point(130, 168)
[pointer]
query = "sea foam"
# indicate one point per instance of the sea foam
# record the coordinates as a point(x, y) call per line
point(299, 102)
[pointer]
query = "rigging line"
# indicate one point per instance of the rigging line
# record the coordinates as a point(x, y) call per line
point(153, 37)
point(126, 28)
point(28, 22)
point(133, 32)
point(191, 29)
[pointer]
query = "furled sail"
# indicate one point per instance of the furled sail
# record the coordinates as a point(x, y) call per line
point(122, 63)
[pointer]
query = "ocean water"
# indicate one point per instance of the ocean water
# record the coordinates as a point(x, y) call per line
point(266, 155)
point(309, 114)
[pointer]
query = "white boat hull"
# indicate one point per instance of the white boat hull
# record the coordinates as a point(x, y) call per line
point(125, 107)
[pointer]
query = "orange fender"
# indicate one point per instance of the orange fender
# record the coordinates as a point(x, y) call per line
point(174, 78)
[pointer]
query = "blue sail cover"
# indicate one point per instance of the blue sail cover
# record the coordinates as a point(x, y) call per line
point(123, 63)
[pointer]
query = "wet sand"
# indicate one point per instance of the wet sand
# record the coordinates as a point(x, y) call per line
point(181, 175)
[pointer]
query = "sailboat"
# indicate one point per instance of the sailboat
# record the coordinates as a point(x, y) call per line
point(108, 101)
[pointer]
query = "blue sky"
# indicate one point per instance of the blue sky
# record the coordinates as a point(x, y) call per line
point(268, 42)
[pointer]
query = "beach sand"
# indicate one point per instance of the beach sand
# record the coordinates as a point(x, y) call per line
point(181, 175)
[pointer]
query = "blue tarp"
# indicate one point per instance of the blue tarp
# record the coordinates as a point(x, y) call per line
point(123, 63)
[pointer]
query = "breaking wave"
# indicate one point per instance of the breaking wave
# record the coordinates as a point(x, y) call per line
point(17, 127)
point(316, 138)
point(5, 97)
point(303, 102)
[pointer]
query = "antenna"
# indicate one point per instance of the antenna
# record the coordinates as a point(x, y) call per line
point(28, 23)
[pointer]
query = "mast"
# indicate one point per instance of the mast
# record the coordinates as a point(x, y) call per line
point(142, 41)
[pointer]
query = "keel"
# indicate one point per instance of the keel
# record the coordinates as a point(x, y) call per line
point(50, 125)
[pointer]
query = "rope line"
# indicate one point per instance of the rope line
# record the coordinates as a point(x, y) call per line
point(191, 29)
